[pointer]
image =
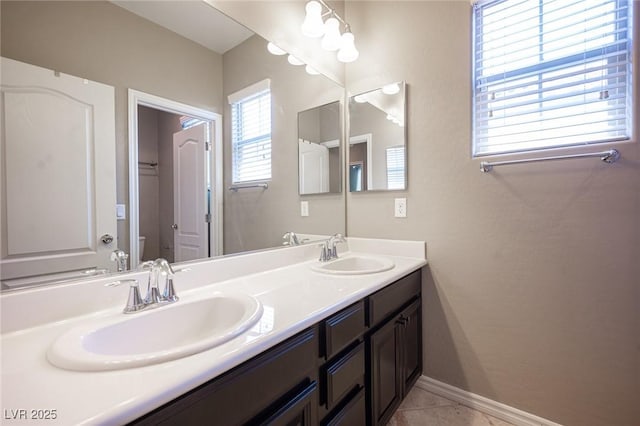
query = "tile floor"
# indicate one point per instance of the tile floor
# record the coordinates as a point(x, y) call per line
point(423, 408)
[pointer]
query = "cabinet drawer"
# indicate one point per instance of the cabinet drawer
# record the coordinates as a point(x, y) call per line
point(343, 328)
point(391, 298)
point(352, 414)
point(343, 375)
point(244, 392)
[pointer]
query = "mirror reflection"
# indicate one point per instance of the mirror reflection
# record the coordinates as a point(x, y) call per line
point(319, 135)
point(377, 139)
point(141, 46)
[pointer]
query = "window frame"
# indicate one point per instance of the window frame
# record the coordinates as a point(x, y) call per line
point(236, 101)
point(537, 70)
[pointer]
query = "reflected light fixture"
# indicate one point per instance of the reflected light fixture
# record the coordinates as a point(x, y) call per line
point(360, 99)
point(313, 26)
point(294, 61)
point(275, 50)
point(310, 70)
point(391, 89)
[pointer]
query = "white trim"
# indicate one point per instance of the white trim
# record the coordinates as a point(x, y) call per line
point(335, 143)
point(137, 98)
point(248, 91)
point(483, 404)
point(368, 139)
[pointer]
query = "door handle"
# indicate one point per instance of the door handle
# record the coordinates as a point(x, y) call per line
point(174, 226)
point(107, 238)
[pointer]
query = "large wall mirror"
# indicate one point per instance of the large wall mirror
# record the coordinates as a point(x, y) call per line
point(377, 139)
point(319, 149)
point(169, 50)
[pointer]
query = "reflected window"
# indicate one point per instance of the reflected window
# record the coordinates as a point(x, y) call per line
point(355, 177)
point(251, 134)
point(395, 167)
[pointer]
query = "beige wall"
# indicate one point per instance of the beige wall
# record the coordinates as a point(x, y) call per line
point(532, 295)
point(261, 217)
point(102, 42)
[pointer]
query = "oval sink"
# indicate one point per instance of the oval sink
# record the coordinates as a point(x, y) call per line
point(354, 265)
point(154, 336)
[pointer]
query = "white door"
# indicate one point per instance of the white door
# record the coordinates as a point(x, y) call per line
point(190, 193)
point(58, 167)
point(313, 167)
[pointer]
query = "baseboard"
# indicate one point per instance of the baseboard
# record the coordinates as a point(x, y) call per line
point(480, 403)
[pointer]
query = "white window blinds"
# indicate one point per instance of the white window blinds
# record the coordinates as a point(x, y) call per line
point(551, 73)
point(395, 167)
point(251, 134)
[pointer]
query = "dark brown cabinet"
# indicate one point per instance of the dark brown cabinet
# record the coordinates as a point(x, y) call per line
point(394, 348)
point(353, 368)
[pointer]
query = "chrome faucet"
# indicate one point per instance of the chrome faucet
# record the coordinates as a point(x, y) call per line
point(329, 250)
point(290, 239)
point(120, 257)
point(159, 270)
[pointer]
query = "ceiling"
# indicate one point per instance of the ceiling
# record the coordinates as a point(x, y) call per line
point(192, 19)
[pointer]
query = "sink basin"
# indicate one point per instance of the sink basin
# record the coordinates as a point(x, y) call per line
point(158, 335)
point(354, 265)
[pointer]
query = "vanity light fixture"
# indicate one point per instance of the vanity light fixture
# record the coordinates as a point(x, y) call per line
point(314, 27)
point(332, 39)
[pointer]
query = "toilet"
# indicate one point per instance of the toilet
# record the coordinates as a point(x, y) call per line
point(141, 247)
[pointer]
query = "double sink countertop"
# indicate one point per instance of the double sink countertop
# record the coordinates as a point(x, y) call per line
point(293, 297)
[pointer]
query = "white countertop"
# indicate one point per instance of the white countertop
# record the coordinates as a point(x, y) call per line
point(293, 297)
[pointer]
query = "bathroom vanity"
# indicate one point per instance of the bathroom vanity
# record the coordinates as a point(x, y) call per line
point(352, 368)
point(329, 347)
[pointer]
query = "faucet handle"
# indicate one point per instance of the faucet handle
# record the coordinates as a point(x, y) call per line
point(169, 293)
point(325, 252)
point(134, 301)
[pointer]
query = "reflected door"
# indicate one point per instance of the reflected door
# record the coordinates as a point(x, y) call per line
point(190, 193)
point(58, 169)
point(314, 168)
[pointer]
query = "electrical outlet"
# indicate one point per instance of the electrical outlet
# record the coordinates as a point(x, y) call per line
point(401, 207)
point(304, 208)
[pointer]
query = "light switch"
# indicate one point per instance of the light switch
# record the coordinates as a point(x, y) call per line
point(401, 207)
point(121, 211)
point(304, 208)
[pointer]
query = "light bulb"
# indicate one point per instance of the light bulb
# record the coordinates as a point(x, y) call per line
point(275, 50)
point(313, 25)
point(348, 51)
point(294, 61)
point(391, 89)
point(310, 70)
point(332, 39)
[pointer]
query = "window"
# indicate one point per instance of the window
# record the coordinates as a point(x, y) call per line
point(551, 73)
point(395, 167)
point(251, 133)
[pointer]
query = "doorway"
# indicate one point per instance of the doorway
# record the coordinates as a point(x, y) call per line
point(175, 180)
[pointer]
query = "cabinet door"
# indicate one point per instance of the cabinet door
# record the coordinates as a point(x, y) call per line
point(385, 390)
point(411, 348)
